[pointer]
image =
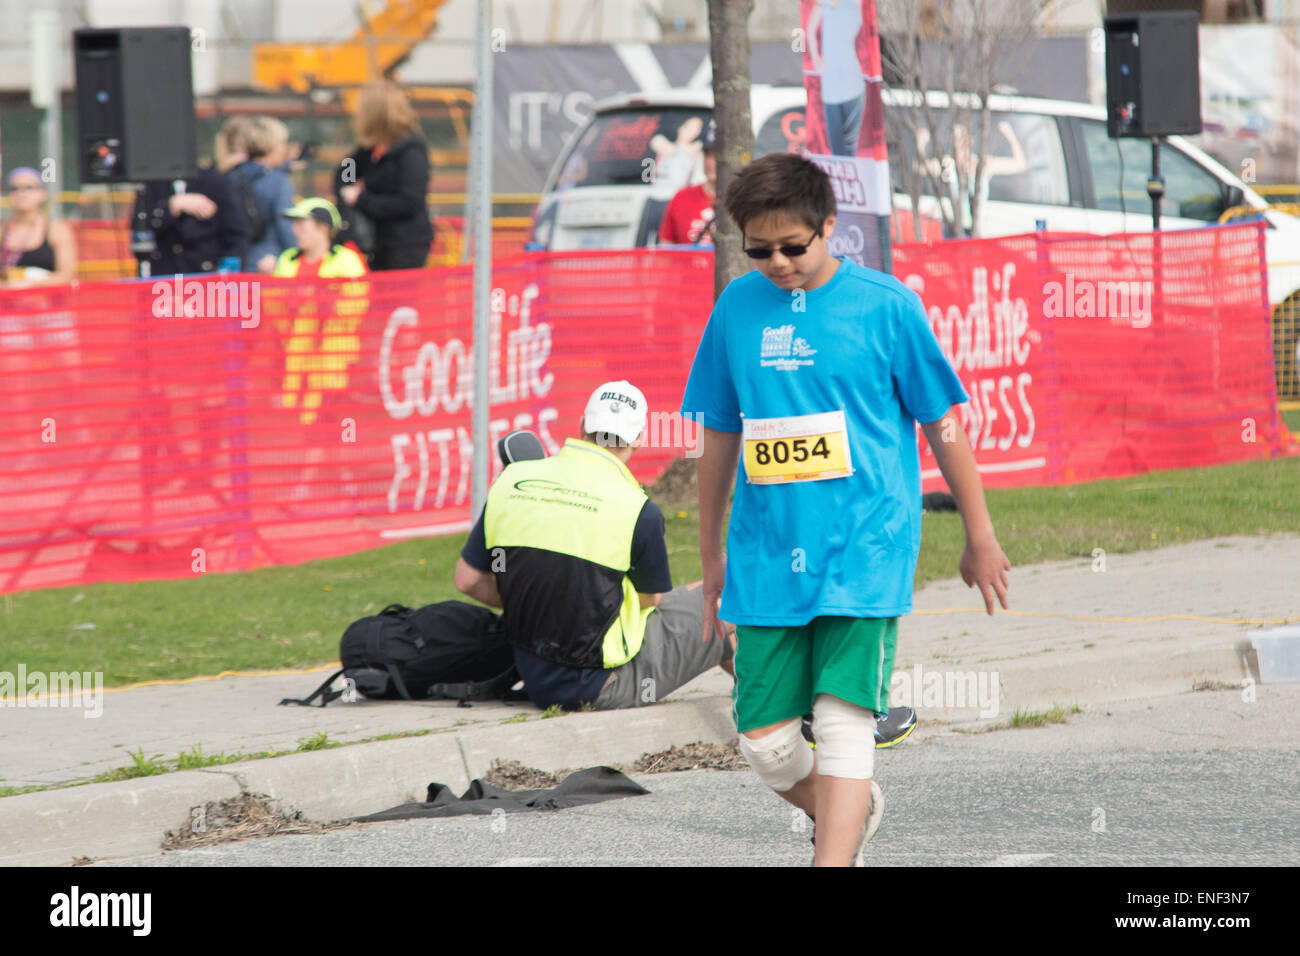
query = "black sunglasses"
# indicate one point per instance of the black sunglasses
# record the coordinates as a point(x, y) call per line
point(790, 252)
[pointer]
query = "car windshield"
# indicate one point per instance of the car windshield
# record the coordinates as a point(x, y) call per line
point(633, 146)
point(782, 132)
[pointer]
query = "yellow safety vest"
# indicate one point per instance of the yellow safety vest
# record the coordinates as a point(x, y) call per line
point(559, 531)
point(340, 263)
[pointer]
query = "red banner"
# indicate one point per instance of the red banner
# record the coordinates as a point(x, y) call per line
point(164, 429)
point(1101, 356)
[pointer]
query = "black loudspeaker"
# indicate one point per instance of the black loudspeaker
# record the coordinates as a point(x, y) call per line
point(1153, 75)
point(135, 104)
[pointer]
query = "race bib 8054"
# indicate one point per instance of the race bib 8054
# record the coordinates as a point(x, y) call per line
point(796, 448)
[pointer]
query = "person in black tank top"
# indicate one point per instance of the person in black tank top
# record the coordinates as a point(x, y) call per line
point(31, 240)
point(42, 257)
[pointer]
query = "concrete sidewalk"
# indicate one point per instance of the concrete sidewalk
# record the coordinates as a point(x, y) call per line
point(1074, 636)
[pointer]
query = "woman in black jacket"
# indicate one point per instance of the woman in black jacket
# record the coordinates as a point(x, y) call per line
point(387, 178)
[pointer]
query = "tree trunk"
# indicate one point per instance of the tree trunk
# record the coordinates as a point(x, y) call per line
point(729, 48)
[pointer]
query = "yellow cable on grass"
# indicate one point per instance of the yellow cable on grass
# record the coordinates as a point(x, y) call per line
point(190, 680)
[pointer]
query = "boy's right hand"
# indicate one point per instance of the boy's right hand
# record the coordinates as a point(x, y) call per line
point(983, 563)
point(715, 573)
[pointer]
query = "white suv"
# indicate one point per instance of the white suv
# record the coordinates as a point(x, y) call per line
point(1051, 161)
point(596, 193)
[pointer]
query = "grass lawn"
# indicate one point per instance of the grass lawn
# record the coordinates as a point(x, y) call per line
point(293, 617)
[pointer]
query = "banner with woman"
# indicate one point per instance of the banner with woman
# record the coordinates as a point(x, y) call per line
point(845, 131)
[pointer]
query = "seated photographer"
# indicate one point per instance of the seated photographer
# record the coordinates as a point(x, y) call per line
point(573, 552)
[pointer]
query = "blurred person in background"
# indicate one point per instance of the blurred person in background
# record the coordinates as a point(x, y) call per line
point(386, 179)
point(291, 156)
point(34, 249)
point(230, 148)
point(318, 322)
point(689, 216)
point(192, 225)
point(314, 223)
point(265, 191)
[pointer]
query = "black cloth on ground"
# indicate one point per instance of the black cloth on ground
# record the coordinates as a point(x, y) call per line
point(579, 788)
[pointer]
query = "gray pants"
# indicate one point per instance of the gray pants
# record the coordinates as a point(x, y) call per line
point(844, 125)
point(672, 654)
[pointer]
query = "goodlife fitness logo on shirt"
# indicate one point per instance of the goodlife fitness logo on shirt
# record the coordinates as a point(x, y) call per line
point(781, 350)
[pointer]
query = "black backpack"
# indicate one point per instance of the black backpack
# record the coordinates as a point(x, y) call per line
point(257, 222)
point(448, 650)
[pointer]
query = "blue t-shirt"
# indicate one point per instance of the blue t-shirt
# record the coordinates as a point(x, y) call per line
point(861, 343)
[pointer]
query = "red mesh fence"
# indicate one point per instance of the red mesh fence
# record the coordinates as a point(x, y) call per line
point(152, 430)
point(1101, 356)
point(158, 430)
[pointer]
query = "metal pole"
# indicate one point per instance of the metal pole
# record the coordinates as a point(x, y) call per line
point(1156, 190)
point(481, 161)
point(46, 74)
point(1156, 184)
point(467, 210)
point(53, 143)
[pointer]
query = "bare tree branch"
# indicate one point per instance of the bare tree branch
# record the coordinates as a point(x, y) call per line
point(969, 47)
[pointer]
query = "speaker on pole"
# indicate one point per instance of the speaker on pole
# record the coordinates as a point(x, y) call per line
point(135, 104)
point(1153, 76)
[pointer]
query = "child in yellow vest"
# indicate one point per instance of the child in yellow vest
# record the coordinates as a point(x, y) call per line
point(314, 223)
point(322, 340)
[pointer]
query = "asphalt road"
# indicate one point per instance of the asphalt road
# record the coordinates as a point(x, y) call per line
point(1194, 779)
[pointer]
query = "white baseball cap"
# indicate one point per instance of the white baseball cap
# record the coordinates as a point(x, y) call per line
point(618, 408)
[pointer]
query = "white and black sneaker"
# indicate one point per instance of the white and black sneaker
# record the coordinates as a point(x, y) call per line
point(895, 726)
point(892, 728)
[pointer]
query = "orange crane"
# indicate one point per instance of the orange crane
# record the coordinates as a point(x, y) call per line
point(380, 44)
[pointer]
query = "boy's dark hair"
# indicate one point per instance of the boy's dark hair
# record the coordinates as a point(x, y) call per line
point(780, 183)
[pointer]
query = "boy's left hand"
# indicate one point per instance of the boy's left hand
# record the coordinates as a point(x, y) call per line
point(984, 563)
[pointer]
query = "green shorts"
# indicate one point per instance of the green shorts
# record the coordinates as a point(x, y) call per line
point(780, 670)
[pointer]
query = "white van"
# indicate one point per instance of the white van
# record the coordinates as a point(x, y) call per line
point(1054, 162)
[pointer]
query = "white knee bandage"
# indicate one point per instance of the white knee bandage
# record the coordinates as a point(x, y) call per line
point(781, 759)
point(846, 738)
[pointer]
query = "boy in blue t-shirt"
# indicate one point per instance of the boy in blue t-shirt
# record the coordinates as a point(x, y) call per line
point(807, 384)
